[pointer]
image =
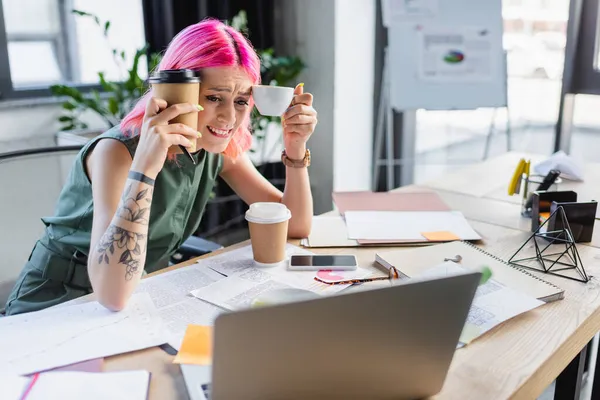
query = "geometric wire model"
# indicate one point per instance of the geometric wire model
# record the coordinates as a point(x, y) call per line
point(566, 264)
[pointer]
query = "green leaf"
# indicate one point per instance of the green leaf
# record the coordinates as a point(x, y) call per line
point(106, 86)
point(81, 13)
point(65, 118)
point(67, 105)
point(113, 106)
point(106, 26)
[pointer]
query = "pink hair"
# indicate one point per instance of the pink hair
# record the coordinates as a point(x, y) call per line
point(209, 43)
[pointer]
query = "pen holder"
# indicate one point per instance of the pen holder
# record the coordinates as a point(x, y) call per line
point(528, 185)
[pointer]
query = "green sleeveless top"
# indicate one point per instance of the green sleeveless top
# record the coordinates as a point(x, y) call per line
point(181, 192)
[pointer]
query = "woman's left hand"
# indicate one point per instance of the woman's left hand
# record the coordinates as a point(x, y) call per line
point(299, 122)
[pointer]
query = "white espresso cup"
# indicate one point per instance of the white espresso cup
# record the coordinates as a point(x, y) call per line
point(268, 224)
point(272, 100)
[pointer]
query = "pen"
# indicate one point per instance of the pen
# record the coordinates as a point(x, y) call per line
point(188, 153)
point(548, 181)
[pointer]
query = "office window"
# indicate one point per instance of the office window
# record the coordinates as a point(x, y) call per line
point(46, 43)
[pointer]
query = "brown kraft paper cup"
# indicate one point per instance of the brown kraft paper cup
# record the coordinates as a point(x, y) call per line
point(268, 235)
point(175, 87)
point(268, 242)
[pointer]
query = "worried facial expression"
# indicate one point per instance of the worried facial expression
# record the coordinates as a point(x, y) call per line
point(224, 93)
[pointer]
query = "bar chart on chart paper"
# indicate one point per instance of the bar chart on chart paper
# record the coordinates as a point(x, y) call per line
point(51, 338)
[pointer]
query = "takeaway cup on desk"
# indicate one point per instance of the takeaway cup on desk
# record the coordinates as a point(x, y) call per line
point(178, 86)
point(272, 100)
point(268, 224)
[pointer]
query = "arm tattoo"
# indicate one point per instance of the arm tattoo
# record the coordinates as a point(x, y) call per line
point(123, 239)
point(133, 208)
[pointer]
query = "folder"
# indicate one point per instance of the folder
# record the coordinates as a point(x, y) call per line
point(388, 201)
point(412, 262)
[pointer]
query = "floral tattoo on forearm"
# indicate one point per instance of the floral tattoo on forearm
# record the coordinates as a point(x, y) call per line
point(132, 208)
point(129, 242)
point(123, 239)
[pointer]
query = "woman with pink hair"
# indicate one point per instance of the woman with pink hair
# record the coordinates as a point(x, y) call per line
point(128, 206)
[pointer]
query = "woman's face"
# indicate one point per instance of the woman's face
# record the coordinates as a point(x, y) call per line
point(224, 94)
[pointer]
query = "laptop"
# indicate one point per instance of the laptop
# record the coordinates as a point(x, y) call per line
point(394, 342)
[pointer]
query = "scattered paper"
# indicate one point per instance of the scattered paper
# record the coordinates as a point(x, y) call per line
point(569, 167)
point(170, 292)
point(455, 54)
point(13, 386)
point(239, 290)
point(329, 231)
point(55, 337)
point(406, 225)
point(196, 347)
point(239, 260)
point(131, 385)
point(493, 304)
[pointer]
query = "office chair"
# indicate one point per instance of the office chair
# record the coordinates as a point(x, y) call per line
point(30, 183)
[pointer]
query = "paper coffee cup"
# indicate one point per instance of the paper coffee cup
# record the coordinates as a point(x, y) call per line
point(177, 86)
point(272, 100)
point(268, 224)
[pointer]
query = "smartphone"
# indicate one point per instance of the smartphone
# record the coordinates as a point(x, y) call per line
point(318, 262)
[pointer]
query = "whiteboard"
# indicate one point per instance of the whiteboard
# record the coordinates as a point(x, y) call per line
point(445, 54)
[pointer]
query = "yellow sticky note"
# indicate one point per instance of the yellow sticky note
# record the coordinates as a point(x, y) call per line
point(440, 236)
point(196, 347)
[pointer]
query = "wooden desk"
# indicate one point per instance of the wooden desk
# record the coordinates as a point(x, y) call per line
point(517, 359)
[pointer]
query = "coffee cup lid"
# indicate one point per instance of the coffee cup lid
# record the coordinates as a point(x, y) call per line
point(175, 76)
point(268, 213)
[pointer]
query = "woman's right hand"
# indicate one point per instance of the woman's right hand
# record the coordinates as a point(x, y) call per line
point(157, 135)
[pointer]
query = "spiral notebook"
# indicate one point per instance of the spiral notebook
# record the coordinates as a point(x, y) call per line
point(412, 262)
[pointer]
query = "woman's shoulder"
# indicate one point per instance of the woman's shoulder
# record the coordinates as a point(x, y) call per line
point(130, 142)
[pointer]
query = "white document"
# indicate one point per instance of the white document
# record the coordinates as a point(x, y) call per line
point(170, 293)
point(55, 337)
point(233, 262)
point(406, 225)
point(237, 291)
point(493, 304)
point(13, 386)
point(130, 385)
point(455, 54)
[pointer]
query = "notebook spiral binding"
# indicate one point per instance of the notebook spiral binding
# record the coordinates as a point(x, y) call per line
point(509, 264)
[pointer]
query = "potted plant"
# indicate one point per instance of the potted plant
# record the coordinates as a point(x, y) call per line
point(116, 99)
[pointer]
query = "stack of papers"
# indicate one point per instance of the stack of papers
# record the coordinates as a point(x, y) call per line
point(375, 218)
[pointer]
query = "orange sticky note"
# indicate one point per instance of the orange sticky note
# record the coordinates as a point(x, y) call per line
point(196, 347)
point(440, 236)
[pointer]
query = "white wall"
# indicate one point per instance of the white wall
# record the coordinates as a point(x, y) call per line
point(354, 94)
point(336, 39)
point(22, 127)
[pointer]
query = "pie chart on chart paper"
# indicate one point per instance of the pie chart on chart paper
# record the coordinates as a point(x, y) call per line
point(454, 57)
